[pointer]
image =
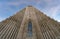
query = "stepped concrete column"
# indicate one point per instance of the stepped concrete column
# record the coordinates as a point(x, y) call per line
point(35, 22)
point(25, 19)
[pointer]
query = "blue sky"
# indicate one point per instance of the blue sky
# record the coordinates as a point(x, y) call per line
point(49, 7)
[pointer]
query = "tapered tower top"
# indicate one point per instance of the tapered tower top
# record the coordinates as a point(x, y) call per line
point(30, 6)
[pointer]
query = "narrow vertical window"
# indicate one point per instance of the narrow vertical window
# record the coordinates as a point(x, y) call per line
point(30, 29)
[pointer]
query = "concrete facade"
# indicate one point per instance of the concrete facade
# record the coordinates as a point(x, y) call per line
point(16, 26)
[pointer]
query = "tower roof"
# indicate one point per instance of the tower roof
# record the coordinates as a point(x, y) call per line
point(30, 6)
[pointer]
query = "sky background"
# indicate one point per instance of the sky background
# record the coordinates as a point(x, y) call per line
point(49, 7)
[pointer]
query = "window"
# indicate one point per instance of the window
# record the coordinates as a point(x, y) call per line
point(29, 29)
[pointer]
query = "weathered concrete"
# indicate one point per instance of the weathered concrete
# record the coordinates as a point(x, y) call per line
point(16, 27)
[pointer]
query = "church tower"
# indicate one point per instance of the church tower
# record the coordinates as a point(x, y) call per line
point(29, 23)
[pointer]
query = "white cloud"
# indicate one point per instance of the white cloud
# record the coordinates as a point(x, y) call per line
point(58, 20)
point(1, 19)
point(13, 3)
point(54, 10)
point(16, 3)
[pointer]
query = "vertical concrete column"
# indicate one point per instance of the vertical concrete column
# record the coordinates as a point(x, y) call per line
point(35, 21)
point(34, 31)
point(25, 19)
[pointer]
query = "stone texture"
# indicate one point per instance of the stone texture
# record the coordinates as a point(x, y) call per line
point(16, 26)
